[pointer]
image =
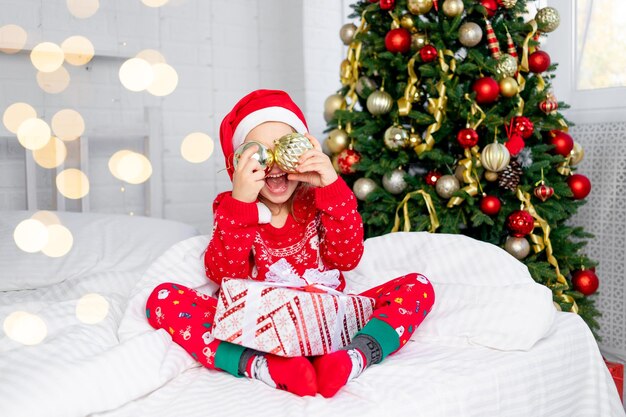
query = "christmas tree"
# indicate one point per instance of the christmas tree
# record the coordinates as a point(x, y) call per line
point(446, 123)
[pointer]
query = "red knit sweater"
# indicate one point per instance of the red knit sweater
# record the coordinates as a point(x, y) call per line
point(325, 232)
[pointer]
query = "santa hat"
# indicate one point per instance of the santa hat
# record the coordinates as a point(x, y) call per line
point(258, 107)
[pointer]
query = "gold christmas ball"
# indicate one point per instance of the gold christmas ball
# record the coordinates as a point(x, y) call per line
point(363, 187)
point(394, 181)
point(495, 157)
point(418, 40)
point(331, 105)
point(506, 66)
point(447, 185)
point(508, 4)
point(577, 153)
point(346, 33)
point(470, 34)
point(508, 87)
point(337, 140)
point(419, 6)
point(396, 137)
point(335, 160)
point(263, 155)
point(547, 19)
point(365, 86)
point(379, 102)
point(491, 176)
point(459, 171)
point(517, 246)
point(407, 22)
point(452, 8)
point(414, 139)
point(288, 149)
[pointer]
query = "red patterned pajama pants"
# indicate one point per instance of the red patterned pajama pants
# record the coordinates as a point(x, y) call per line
point(187, 315)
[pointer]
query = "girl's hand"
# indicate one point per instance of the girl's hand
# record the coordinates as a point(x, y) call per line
point(248, 178)
point(315, 167)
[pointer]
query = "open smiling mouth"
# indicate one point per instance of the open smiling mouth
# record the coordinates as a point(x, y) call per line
point(277, 183)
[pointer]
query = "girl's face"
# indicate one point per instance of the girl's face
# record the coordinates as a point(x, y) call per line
point(278, 188)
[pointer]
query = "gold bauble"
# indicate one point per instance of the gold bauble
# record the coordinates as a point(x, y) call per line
point(288, 149)
point(452, 8)
point(470, 34)
point(379, 102)
point(363, 187)
point(495, 157)
point(459, 171)
point(506, 66)
point(331, 105)
point(365, 86)
point(491, 176)
point(418, 40)
point(577, 153)
point(337, 140)
point(508, 4)
point(508, 87)
point(447, 185)
point(346, 33)
point(414, 139)
point(419, 6)
point(407, 22)
point(395, 138)
point(547, 19)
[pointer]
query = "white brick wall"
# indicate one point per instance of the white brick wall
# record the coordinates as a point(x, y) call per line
point(221, 51)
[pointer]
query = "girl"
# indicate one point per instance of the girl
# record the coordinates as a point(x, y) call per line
point(308, 218)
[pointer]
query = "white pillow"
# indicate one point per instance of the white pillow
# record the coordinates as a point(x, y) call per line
point(484, 296)
point(101, 242)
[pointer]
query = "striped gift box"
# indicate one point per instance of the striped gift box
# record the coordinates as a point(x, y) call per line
point(288, 321)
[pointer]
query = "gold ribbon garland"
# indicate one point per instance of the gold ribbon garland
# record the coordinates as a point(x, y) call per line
point(405, 104)
point(404, 204)
point(525, 50)
point(541, 243)
point(437, 106)
point(472, 185)
point(350, 66)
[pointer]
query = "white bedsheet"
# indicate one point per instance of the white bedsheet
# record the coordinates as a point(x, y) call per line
point(121, 367)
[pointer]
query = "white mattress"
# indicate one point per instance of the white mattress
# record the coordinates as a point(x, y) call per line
point(121, 367)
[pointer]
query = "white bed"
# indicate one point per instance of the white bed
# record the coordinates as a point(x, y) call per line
point(493, 345)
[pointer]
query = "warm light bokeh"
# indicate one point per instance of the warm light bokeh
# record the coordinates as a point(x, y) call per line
point(52, 154)
point(34, 134)
point(197, 147)
point(165, 80)
point(92, 308)
point(134, 168)
point(154, 3)
point(136, 74)
point(12, 39)
point(47, 56)
point(83, 9)
point(68, 124)
point(31, 235)
point(25, 328)
point(54, 82)
point(48, 218)
point(152, 56)
point(72, 183)
point(78, 50)
point(60, 241)
point(16, 114)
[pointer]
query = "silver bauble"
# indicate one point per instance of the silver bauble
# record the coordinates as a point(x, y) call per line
point(517, 246)
point(470, 34)
point(547, 19)
point(452, 8)
point(495, 157)
point(365, 86)
point(447, 185)
point(379, 102)
point(394, 181)
point(396, 137)
point(263, 155)
point(363, 187)
point(506, 66)
point(346, 33)
point(332, 103)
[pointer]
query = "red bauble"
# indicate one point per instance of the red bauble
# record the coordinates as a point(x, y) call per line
point(580, 186)
point(346, 160)
point(487, 90)
point(585, 281)
point(398, 40)
point(523, 126)
point(387, 4)
point(543, 192)
point(467, 137)
point(520, 223)
point(539, 61)
point(515, 144)
point(490, 205)
point(490, 5)
point(563, 143)
point(432, 177)
point(428, 53)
